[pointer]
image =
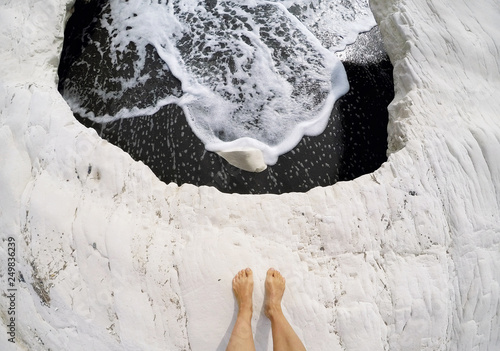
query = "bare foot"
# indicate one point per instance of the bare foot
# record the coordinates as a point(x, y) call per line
point(275, 288)
point(243, 289)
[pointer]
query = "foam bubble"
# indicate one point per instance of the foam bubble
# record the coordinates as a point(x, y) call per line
point(335, 23)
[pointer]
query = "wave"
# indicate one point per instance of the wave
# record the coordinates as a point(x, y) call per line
point(258, 74)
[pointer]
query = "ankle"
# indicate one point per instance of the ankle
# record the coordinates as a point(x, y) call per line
point(245, 310)
point(273, 311)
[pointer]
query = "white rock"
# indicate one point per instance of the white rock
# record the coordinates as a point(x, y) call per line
point(406, 258)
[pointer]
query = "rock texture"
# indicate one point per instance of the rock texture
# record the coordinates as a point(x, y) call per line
point(405, 258)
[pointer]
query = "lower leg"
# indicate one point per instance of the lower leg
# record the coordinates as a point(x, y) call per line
point(284, 337)
point(242, 337)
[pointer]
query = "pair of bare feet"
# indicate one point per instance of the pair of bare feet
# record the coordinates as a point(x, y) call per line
point(284, 337)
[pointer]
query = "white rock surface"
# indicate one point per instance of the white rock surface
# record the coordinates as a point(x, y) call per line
point(406, 258)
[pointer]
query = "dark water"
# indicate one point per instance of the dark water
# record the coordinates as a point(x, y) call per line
point(354, 142)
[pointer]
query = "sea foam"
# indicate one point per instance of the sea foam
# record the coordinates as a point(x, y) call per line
point(252, 74)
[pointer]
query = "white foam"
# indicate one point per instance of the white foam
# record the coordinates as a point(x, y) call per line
point(335, 23)
point(252, 74)
point(247, 159)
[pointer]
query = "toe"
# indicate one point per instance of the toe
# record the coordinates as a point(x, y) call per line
point(237, 276)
